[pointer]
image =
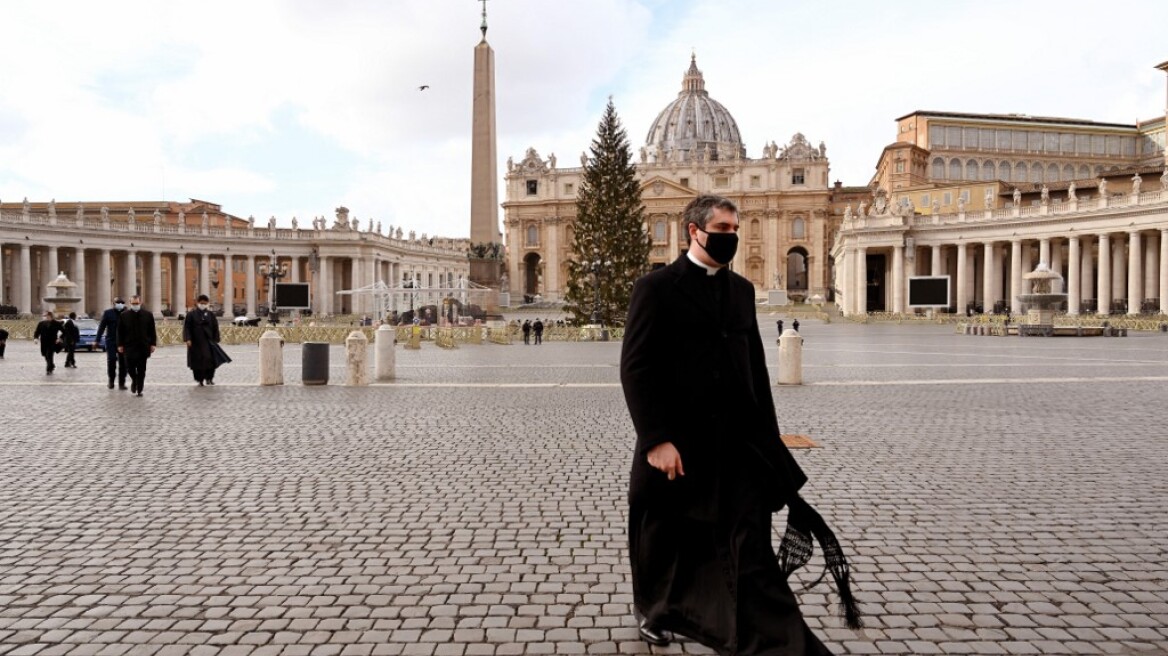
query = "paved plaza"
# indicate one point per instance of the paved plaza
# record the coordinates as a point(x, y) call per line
point(996, 495)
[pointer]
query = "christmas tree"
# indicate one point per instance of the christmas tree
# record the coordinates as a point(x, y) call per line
point(610, 247)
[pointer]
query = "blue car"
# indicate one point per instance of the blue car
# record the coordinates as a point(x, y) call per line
point(88, 330)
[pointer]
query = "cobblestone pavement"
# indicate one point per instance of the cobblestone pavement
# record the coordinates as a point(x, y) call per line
point(998, 496)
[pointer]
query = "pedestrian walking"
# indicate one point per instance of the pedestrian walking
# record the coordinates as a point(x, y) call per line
point(705, 480)
point(47, 333)
point(201, 334)
point(70, 335)
point(3, 342)
point(115, 360)
point(137, 339)
point(795, 325)
point(537, 328)
point(527, 331)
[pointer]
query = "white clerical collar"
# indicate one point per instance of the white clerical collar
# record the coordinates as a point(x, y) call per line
point(710, 271)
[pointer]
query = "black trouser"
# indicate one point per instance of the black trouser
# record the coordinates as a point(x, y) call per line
point(69, 350)
point(115, 364)
point(3, 345)
point(203, 374)
point(136, 367)
point(48, 354)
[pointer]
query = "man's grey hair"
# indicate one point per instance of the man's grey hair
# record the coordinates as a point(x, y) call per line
point(701, 209)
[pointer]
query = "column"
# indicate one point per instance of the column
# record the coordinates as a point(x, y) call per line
point(227, 280)
point(1118, 268)
point(861, 281)
point(2, 297)
point(1104, 294)
point(179, 279)
point(1015, 273)
point(154, 289)
point(250, 286)
point(1087, 269)
point(204, 275)
point(989, 266)
point(129, 281)
point(79, 278)
point(294, 269)
point(1151, 283)
point(935, 261)
point(1135, 274)
point(898, 278)
point(319, 307)
point(962, 277)
point(104, 299)
point(52, 268)
point(1164, 271)
point(1056, 256)
point(1044, 252)
point(24, 292)
point(1074, 288)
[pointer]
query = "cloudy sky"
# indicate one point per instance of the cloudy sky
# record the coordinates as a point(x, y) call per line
point(293, 107)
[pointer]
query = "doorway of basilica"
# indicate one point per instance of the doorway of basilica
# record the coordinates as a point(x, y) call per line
point(532, 264)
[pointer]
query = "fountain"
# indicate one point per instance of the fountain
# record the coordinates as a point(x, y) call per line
point(1045, 298)
point(62, 302)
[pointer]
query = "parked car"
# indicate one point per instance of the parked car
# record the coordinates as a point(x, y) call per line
point(88, 329)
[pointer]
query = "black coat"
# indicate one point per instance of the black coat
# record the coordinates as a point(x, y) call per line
point(46, 333)
point(694, 373)
point(201, 329)
point(109, 328)
point(136, 332)
point(70, 334)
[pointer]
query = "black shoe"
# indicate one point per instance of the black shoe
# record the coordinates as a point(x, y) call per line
point(122, 386)
point(655, 636)
point(200, 383)
point(210, 382)
point(139, 392)
point(111, 384)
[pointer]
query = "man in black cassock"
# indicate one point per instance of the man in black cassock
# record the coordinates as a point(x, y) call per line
point(137, 339)
point(710, 467)
point(200, 331)
point(46, 333)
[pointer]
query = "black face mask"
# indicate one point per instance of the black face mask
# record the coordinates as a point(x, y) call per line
point(721, 246)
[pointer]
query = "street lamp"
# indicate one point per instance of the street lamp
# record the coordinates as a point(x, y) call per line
point(273, 271)
point(596, 266)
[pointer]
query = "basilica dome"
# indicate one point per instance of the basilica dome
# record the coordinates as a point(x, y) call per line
point(694, 126)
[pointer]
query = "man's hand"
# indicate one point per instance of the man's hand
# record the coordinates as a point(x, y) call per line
point(188, 343)
point(665, 458)
point(152, 349)
point(121, 349)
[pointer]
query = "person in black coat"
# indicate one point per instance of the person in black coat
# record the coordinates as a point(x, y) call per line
point(46, 334)
point(114, 359)
point(709, 466)
point(537, 328)
point(200, 331)
point(3, 342)
point(70, 335)
point(527, 331)
point(137, 339)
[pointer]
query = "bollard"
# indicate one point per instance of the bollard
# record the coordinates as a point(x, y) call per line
point(271, 358)
point(790, 358)
point(383, 342)
point(314, 361)
point(356, 350)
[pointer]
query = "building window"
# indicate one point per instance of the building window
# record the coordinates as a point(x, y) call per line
point(722, 181)
point(987, 171)
point(1020, 172)
point(569, 189)
point(684, 182)
point(965, 195)
point(532, 187)
point(938, 169)
point(947, 199)
point(532, 236)
point(971, 169)
point(755, 229)
point(797, 176)
point(925, 200)
point(799, 228)
point(900, 166)
point(955, 169)
point(659, 232)
point(755, 181)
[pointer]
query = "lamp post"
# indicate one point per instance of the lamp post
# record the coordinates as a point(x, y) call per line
point(273, 272)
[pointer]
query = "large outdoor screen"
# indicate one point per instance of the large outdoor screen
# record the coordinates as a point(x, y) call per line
point(928, 291)
point(292, 296)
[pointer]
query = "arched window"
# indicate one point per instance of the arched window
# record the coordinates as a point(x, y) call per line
point(954, 169)
point(987, 171)
point(1020, 172)
point(1004, 171)
point(798, 228)
point(1068, 172)
point(938, 169)
point(1052, 173)
point(971, 170)
point(1036, 172)
point(1084, 172)
point(660, 232)
point(532, 236)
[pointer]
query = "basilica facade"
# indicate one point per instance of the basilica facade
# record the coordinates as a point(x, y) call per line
point(693, 147)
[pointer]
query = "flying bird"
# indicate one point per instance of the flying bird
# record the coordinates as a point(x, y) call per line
point(423, 87)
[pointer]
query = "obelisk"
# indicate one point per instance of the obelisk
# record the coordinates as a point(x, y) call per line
point(486, 240)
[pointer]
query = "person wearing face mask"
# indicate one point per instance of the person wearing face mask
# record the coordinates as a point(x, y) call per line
point(46, 334)
point(200, 333)
point(709, 467)
point(115, 361)
point(137, 339)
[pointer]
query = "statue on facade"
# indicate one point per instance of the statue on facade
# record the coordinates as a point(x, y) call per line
point(295, 224)
point(272, 222)
point(848, 212)
point(356, 224)
point(644, 155)
point(1164, 180)
point(936, 207)
point(1071, 192)
point(313, 261)
point(989, 199)
point(779, 279)
point(1137, 181)
point(25, 207)
point(504, 281)
point(510, 164)
point(822, 150)
point(205, 221)
point(52, 209)
point(157, 217)
point(131, 217)
point(1103, 187)
point(552, 160)
point(413, 236)
point(370, 228)
point(80, 214)
point(774, 149)
point(862, 210)
point(1017, 197)
point(1045, 195)
point(250, 222)
point(584, 159)
point(879, 205)
point(104, 214)
point(379, 227)
point(961, 204)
